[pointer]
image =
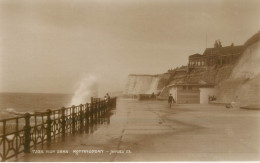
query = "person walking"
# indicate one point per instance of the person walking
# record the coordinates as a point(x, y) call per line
point(170, 100)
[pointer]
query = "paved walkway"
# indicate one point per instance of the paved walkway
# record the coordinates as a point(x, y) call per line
point(150, 131)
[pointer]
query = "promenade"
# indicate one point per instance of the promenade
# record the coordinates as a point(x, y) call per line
point(150, 131)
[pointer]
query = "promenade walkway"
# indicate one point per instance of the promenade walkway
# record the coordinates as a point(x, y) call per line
point(150, 131)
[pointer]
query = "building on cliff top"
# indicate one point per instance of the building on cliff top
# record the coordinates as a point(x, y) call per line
point(178, 69)
point(215, 56)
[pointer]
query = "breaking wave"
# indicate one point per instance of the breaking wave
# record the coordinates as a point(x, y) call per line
point(87, 88)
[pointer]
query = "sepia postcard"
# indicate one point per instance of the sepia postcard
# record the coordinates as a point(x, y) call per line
point(129, 80)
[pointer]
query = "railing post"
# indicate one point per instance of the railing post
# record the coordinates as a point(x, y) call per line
point(91, 116)
point(90, 113)
point(4, 139)
point(73, 120)
point(102, 108)
point(16, 141)
point(115, 102)
point(108, 104)
point(87, 113)
point(99, 111)
point(87, 118)
point(96, 112)
point(27, 133)
point(63, 121)
point(105, 106)
point(102, 111)
point(48, 129)
point(81, 116)
point(92, 110)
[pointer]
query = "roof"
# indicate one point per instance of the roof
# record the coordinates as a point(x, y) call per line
point(224, 50)
point(199, 83)
point(195, 55)
point(142, 75)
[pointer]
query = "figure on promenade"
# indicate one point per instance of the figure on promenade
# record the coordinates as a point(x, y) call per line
point(170, 100)
point(152, 96)
point(108, 97)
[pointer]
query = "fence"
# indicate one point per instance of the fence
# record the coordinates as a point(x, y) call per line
point(146, 97)
point(21, 134)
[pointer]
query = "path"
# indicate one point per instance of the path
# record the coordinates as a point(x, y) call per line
point(153, 132)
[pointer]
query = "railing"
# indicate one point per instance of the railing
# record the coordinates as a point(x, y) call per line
point(146, 97)
point(21, 134)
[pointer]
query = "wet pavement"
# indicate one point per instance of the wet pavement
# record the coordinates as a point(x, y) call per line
point(150, 131)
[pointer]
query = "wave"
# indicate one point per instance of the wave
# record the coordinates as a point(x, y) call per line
point(11, 112)
point(14, 112)
point(87, 88)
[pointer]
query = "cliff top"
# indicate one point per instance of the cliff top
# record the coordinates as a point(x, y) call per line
point(253, 39)
point(224, 50)
point(142, 75)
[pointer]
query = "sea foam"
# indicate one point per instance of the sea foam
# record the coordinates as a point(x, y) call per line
point(87, 88)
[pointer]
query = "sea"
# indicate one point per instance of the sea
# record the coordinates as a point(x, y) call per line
point(13, 104)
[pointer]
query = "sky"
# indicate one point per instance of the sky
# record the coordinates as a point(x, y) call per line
point(49, 46)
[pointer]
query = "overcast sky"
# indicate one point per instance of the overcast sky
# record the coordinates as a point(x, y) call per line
point(48, 46)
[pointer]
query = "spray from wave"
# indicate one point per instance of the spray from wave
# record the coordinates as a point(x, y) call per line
point(87, 88)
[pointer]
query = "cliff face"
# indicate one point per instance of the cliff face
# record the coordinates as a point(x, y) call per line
point(212, 75)
point(145, 84)
point(243, 85)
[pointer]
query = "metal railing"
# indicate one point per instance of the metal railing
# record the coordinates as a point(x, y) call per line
point(24, 133)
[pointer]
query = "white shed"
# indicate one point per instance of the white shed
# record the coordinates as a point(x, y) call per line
point(205, 93)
